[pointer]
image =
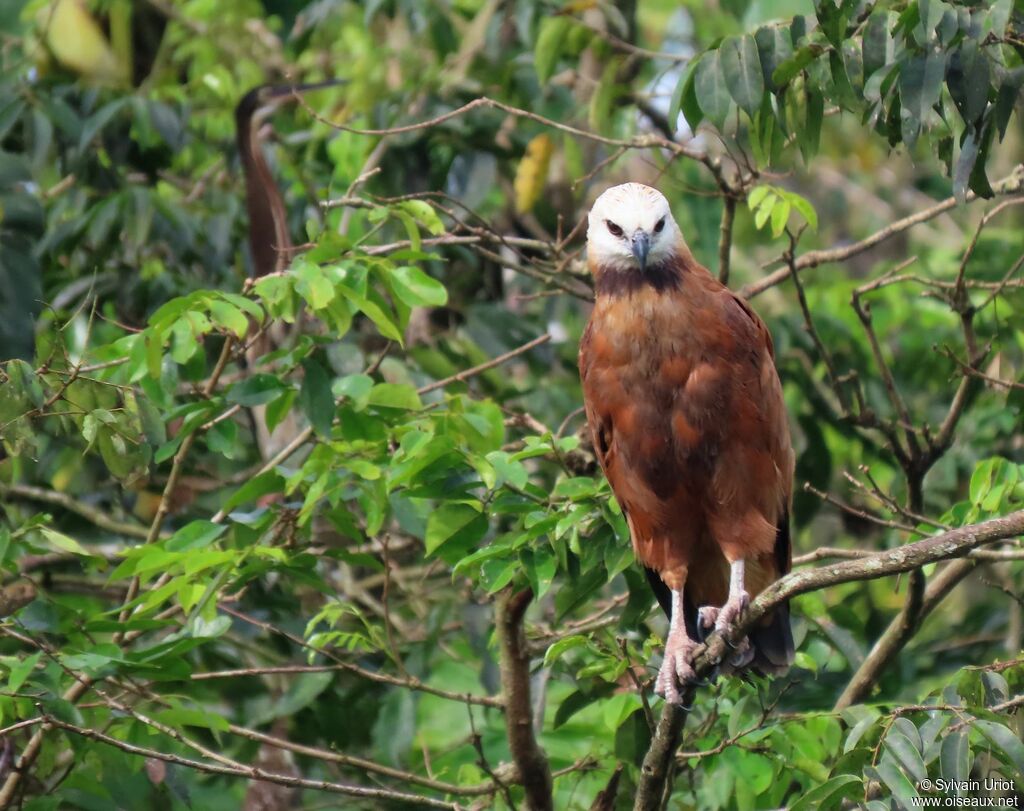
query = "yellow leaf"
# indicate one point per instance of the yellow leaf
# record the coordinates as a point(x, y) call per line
point(77, 41)
point(532, 173)
point(578, 6)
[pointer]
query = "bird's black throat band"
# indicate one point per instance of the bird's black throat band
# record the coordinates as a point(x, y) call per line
point(662, 277)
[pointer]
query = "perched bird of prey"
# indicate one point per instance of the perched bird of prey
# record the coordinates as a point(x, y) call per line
point(689, 425)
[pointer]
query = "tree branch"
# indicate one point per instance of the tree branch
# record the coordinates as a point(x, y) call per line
point(1008, 185)
point(515, 679)
point(655, 782)
point(91, 514)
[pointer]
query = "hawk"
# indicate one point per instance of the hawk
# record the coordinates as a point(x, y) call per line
point(688, 422)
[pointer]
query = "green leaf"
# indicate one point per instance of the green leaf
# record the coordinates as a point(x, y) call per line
point(805, 209)
point(877, 43)
point(414, 287)
point(256, 390)
point(965, 167)
point(194, 535)
point(676, 102)
point(829, 793)
point(316, 399)
point(981, 479)
point(5, 544)
point(618, 708)
point(154, 341)
point(711, 89)
point(602, 101)
point(757, 195)
point(576, 488)
point(978, 180)
point(313, 285)
point(1006, 742)
point(152, 420)
point(897, 782)
point(20, 671)
point(302, 692)
point(355, 387)
point(424, 214)
point(269, 482)
point(24, 380)
point(557, 649)
point(741, 68)
point(780, 216)
point(446, 521)
point(842, 90)
point(394, 395)
point(788, 70)
point(579, 700)
point(764, 211)
point(553, 30)
point(921, 86)
point(64, 543)
point(906, 754)
point(774, 46)
point(183, 717)
point(377, 313)
point(809, 136)
point(955, 756)
point(229, 317)
point(998, 16)
point(858, 732)
point(684, 98)
point(244, 304)
point(805, 661)
point(508, 469)
point(969, 80)
point(539, 566)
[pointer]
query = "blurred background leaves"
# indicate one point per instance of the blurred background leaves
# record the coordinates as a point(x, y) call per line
point(313, 597)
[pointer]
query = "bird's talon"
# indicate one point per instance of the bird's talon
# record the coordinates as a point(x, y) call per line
point(706, 617)
point(676, 670)
point(731, 613)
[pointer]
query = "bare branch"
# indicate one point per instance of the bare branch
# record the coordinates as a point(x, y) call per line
point(57, 499)
point(515, 679)
point(483, 367)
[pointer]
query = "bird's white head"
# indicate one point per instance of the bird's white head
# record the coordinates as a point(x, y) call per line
point(631, 227)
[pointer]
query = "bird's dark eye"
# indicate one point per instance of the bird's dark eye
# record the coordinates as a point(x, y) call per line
point(659, 226)
point(616, 231)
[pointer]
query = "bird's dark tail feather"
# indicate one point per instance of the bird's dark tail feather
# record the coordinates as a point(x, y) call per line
point(773, 643)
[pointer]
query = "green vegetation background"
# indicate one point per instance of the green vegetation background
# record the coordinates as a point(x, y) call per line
point(314, 598)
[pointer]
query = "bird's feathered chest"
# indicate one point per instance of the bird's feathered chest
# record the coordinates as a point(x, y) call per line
point(662, 370)
point(669, 342)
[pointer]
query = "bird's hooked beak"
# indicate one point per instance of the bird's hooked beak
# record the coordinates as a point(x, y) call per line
point(641, 244)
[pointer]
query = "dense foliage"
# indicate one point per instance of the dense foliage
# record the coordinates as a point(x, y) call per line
point(284, 527)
